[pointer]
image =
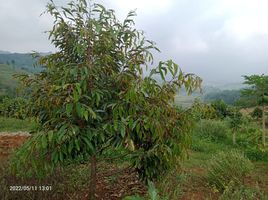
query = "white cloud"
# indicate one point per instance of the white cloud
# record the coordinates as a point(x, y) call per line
point(189, 45)
point(153, 7)
point(217, 35)
point(243, 19)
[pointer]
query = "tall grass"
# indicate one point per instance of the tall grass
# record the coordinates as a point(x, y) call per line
point(226, 167)
point(14, 125)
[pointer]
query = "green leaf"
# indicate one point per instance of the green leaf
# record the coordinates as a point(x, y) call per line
point(93, 114)
point(44, 141)
point(50, 136)
point(122, 130)
point(79, 109)
point(69, 108)
point(77, 144)
point(89, 144)
point(75, 96)
point(86, 115)
point(61, 156)
point(70, 146)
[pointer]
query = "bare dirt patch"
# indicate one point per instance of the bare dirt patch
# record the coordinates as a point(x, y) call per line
point(9, 141)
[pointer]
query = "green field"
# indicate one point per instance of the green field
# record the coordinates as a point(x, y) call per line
point(14, 125)
point(8, 83)
point(184, 100)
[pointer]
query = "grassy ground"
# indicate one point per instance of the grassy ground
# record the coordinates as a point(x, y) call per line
point(7, 81)
point(184, 100)
point(188, 181)
point(14, 125)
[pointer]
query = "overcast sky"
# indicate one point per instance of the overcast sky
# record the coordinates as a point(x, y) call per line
point(220, 40)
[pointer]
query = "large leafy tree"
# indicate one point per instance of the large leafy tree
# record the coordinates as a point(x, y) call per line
point(93, 94)
point(257, 93)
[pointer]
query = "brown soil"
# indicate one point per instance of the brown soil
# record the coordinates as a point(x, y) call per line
point(10, 141)
point(113, 182)
point(197, 187)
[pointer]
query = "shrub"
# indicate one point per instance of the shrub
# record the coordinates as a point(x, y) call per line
point(240, 192)
point(171, 186)
point(256, 113)
point(206, 146)
point(13, 107)
point(221, 108)
point(201, 110)
point(226, 167)
point(257, 154)
point(212, 130)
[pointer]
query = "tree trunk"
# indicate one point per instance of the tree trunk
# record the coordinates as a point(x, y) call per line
point(93, 177)
point(263, 126)
point(234, 138)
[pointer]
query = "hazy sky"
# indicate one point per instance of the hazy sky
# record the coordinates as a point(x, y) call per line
point(220, 40)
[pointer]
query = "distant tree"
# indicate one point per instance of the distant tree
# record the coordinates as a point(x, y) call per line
point(258, 93)
point(256, 113)
point(220, 107)
point(200, 110)
point(235, 121)
point(93, 95)
point(228, 96)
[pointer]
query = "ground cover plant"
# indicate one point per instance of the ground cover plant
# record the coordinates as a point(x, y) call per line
point(228, 167)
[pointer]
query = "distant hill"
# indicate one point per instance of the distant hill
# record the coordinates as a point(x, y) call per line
point(4, 52)
point(213, 87)
point(21, 61)
point(7, 82)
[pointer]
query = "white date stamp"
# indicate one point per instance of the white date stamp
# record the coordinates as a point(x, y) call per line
point(43, 188)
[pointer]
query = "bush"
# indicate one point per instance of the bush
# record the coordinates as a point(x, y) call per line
point(206, 146)
point(240, 192)
point(257, 154)
point(256, 113)
point(212, 130)
point(13, 107)
point(221, 108)
point(227, 167)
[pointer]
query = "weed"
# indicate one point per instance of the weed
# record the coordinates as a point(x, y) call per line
point(226, 167)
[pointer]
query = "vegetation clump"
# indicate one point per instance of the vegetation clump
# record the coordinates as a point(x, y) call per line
point(212, 130)
point(239, 192)
point(226, 167)
point(13, 107)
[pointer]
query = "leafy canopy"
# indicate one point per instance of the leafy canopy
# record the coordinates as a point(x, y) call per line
point(258, 89)
point(93, 94)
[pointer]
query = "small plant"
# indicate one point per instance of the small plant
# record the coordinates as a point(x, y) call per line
point(151, 195)
point(235, 122)
point(171, 186)
point(227, 167)
point(13, 107)
point(221, 108)
point(212, 130)
point(257, 154)
point(240, 192)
